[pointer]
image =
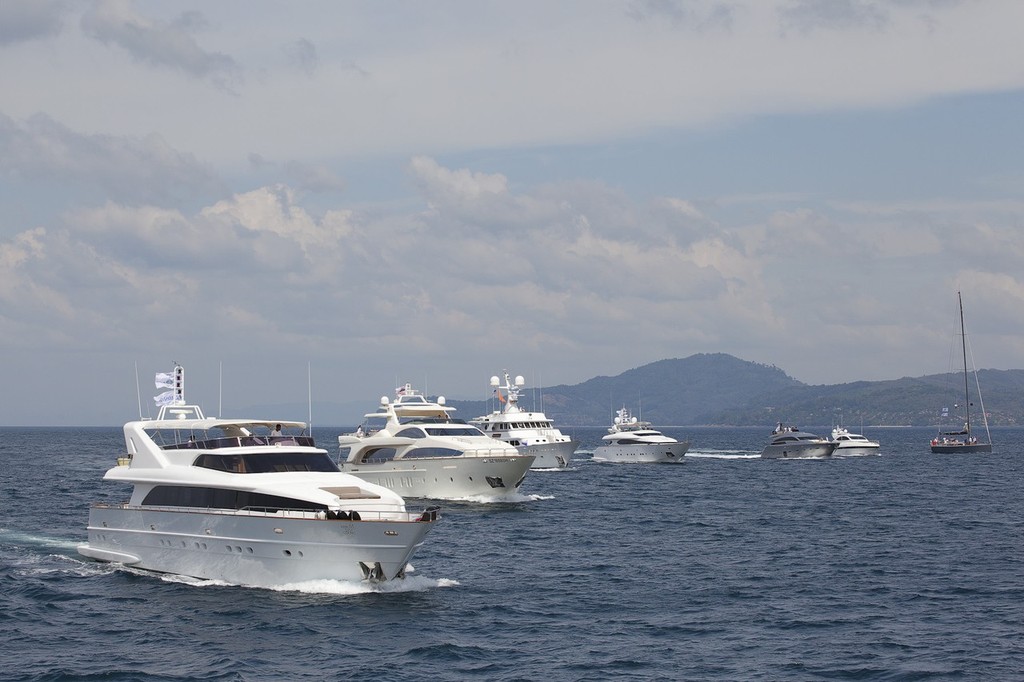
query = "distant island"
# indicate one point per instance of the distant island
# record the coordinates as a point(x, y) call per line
point(719, 389)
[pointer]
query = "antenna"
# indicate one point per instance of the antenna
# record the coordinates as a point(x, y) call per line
point(220, 389)
point(540, 390)
point(138, 391)
point(309, 386)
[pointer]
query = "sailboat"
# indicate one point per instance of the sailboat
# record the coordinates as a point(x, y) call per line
point(964, 439)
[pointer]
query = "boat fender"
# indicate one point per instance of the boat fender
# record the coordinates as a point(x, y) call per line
point(342, 515)
point(331, 514)
point(354, 515)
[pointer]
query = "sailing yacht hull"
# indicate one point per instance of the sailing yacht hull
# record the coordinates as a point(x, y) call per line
point(962, 447)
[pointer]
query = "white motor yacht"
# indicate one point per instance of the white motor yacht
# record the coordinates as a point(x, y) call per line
point(414, 447)
point(631, 440)
point(788, 442)
point(531, 433)
point(852, 444)
point(249, 502)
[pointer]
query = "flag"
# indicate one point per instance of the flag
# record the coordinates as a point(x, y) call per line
point(501, 398)
point(400, 390)
point(164, 380)
point(165, 398)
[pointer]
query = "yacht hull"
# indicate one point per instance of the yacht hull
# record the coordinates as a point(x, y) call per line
point(257, 549)
point(648, 453)
point(550, 455)
point(962, 447)
point(798, 451)
point(447, 477)
point(856, 450)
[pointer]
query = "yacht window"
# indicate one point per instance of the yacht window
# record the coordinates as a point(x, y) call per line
point(432, 452)
point(454, 431)
point(220, 498)
point(252, 463)
point(379, 455)
point(410, 433)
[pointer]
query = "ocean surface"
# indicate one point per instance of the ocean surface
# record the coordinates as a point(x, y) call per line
point(904, 566)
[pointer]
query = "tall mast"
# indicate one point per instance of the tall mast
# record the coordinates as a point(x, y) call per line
point(963, 341)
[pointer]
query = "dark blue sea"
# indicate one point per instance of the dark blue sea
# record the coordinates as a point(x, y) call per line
point(905, 566)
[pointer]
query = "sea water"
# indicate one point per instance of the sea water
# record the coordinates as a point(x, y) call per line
point(906, 565)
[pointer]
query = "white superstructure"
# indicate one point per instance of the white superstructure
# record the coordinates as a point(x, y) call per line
point(250, 502)
point(531, 433)
point(851, 444)
point(632, 440)
point(413, 446)
point(789, 442)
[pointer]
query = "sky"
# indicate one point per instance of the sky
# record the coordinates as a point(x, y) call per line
point(320, 201)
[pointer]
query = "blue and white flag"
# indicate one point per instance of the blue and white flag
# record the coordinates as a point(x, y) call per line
point(165, 398)
point(164, 380)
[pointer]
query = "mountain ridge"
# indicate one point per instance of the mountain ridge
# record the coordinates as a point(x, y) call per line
point(720, 389)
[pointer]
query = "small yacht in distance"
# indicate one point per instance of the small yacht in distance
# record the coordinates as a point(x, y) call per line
point(788, 442)
point(852, 444)
point(631, 440)
point(965, 438)
point(414, 447)
point(531, 433)
point(246, 501)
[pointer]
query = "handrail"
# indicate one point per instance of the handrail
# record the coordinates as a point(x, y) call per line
point(240, 442)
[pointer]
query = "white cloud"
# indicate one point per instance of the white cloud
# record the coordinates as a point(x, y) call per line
point(577, 187)
point(121, 167)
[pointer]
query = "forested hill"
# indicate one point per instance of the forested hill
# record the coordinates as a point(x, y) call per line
point(719, 389)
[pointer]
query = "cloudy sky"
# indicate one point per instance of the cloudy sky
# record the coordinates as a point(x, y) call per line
point(365, 193)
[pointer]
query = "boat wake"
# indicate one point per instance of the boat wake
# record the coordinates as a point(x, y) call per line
point(724, 454)
point(337, 587)
point(409, 584)
point(501, 499)
point(29, 541)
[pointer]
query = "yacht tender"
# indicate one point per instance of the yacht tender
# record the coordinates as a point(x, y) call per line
point(413, 446)
point(531, 433)
point(788, 442)
point(630, 440)
point(224, 499)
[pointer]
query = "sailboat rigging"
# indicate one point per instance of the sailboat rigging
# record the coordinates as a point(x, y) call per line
point(964, 440)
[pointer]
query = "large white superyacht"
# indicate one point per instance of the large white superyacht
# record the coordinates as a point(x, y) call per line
point(246, 501)
point(632, 440)
point(531, 433)
point(414, 446)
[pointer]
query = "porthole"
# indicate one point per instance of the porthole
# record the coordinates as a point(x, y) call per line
point(249, 550)
point(287, 552)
